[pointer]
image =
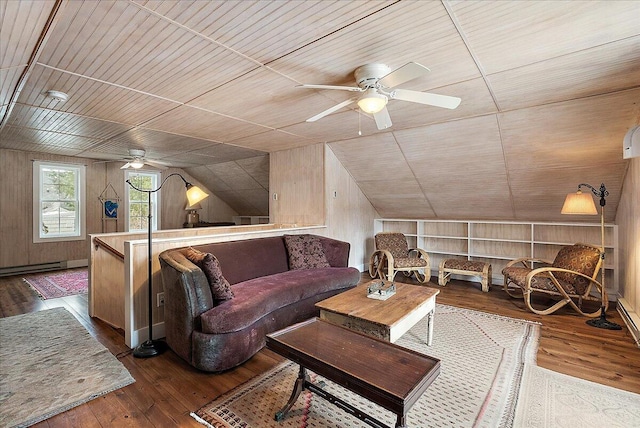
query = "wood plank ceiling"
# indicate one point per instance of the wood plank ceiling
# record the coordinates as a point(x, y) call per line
point(548, 91)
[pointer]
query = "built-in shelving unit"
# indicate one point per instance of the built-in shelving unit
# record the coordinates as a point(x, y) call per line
point(498, 242)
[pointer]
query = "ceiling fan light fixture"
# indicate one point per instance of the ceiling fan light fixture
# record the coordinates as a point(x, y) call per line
point(372, 102)
point(136, 164)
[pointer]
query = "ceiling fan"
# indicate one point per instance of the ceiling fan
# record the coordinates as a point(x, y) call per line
point(376, 82)
point(136, 160)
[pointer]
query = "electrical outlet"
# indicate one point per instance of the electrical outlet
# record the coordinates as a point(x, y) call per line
point(160, 299)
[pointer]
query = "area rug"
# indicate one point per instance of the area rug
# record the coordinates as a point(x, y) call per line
point(51, 286)
point(482, 359)
point(49, 363)
point(550, 399)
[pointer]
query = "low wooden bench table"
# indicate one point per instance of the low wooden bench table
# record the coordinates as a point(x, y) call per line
point(385, 319)
point(386, 374)
point(465, 267)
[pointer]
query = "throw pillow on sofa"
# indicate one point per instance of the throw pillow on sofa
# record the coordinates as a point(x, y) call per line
point(305, 252)
point(220, 287)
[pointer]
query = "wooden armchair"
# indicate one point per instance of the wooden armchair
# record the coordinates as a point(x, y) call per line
point(393, 255)
point(571, 278)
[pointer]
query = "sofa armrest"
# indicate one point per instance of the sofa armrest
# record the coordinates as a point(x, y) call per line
point(336, 252)
point(187, 296)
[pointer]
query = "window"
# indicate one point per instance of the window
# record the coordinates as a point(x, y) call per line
point(58, 202)
point(137, 208)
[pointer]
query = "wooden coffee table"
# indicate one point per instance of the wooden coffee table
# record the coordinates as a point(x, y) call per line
point(386, 319)
point(386, 374)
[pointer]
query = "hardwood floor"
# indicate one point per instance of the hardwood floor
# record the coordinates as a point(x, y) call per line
point(167, 389)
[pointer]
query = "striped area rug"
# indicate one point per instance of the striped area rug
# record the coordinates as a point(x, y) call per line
point(482, 357)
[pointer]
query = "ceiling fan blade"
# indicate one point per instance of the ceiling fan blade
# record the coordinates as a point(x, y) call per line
point(382, 118)
point(331, 110)
point(157, 164)
point(341, 88)
point(427, 98)
point(126, 165)
point(409, 71)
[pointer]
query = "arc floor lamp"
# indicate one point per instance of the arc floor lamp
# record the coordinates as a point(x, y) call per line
point(582, 203)
point(150, 347)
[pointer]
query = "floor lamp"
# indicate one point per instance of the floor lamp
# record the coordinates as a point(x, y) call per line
point(151, 348)
point(582, 203)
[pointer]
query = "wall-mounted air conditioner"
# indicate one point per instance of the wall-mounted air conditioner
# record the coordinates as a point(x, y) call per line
point(631, 143)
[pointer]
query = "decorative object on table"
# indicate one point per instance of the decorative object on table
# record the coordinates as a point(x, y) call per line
point(582, 203)
point(450, 267)
point(193, 217)
point(50, 364)
point(481, 355)
point(393, 255)
point(380, 291)
point(109, 199)
point(151, 348)
point(54, 285)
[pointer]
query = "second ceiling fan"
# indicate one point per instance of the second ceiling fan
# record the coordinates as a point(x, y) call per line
point(376, 83)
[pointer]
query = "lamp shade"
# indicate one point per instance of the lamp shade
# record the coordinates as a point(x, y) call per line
point(195, 194)
point(372, 102)
point(190, 207)
point(579, 203)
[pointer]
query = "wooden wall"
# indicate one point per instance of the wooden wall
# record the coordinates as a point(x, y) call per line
point(628, 221)
point(349, 214)
point(16, 211)
point(296, 176)
point(16, 207)
point(313, 187)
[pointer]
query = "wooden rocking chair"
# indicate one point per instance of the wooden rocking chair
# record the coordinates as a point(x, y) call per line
point(571, 278)
point(393, 255)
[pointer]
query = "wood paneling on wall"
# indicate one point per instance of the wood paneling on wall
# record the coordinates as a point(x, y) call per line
point(16, 207)
point(16, 211)
point(174, 199)
point(297, 178)
point(628, 220)
point(306, 180)
point(349, 215)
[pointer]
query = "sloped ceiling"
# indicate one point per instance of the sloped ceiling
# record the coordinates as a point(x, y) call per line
point(548, 90)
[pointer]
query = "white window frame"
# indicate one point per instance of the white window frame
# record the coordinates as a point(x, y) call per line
point(80, 232)
point(155, 199)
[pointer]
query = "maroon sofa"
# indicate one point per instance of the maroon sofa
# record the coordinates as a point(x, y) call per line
point(218, 335)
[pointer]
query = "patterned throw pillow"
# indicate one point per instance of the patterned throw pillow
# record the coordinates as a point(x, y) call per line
point(220, 287)
point(305, 252)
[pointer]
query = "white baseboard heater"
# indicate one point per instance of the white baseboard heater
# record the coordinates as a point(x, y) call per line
point(631, 319)
point(42, 267)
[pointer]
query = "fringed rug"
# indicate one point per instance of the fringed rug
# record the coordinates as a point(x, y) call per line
point(482, 359)
point(51, 286)
point(49, 363)
point(555, 400)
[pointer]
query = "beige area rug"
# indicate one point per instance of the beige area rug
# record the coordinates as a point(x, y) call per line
point(482, 360)
point(49, 363)
point(554, 400)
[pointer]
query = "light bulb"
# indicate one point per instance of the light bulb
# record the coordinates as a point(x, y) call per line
point(372, 102)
